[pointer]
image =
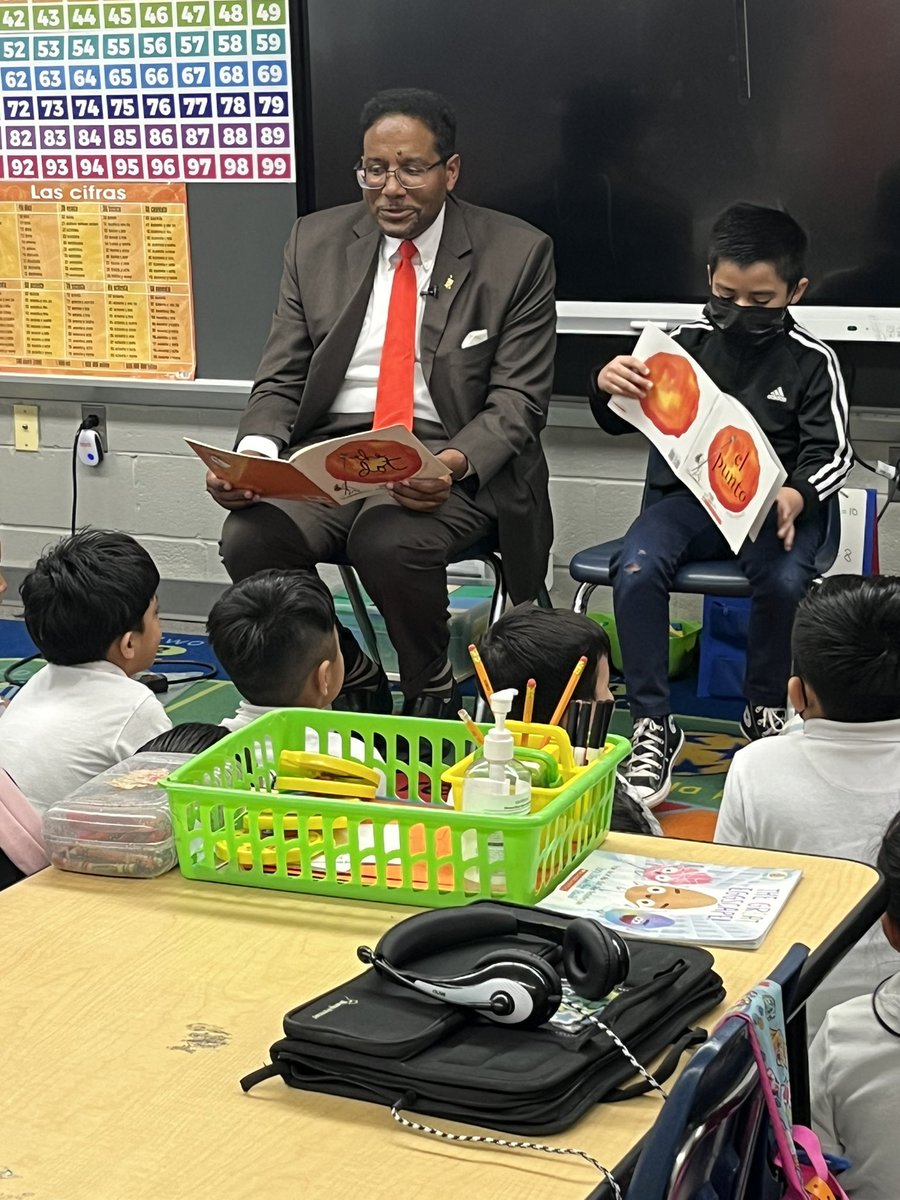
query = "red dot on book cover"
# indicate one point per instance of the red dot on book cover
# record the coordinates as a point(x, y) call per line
point(733, 465)
point(373, 460)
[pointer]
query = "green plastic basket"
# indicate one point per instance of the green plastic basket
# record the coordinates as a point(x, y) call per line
point(682, 644)
point(231, 828)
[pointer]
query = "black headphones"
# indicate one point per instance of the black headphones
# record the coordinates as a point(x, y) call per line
point(514, 987)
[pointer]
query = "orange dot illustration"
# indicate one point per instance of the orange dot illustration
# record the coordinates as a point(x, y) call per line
point(373, 460)
point(673, 401)
point(733, 465)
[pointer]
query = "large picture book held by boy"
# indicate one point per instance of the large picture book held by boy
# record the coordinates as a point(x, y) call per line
point(692, 903)
point(337, 471)
point(709, 440)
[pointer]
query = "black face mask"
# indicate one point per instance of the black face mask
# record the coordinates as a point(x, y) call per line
point(746, 325)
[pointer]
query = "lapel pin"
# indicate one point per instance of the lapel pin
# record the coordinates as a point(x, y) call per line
point(449, 282)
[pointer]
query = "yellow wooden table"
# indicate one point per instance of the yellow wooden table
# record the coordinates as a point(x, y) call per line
point(129, 1010)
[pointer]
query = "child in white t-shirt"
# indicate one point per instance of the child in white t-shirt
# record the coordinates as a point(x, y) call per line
point(276, 635)
point(854, 1066)
point(832, 788)
point(90, 607)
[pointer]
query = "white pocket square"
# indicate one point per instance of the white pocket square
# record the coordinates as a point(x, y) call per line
point(474, 338)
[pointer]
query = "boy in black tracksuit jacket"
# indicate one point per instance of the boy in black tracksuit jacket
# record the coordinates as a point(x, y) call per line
point(752, 348)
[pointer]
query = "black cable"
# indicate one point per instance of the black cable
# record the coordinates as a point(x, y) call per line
point(75, 476)
point(862, 462)
point(891, 493)
point(90, 422)
point(207, 670)
point(8, 673)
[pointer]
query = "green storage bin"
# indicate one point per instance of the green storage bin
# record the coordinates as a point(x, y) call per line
point(404, 854)
point(682, 649)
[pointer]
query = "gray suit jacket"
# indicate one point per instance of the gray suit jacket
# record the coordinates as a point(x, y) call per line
point(492, 398)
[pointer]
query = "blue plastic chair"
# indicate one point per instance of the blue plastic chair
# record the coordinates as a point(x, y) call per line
point(711, 1139)
point(590, 568)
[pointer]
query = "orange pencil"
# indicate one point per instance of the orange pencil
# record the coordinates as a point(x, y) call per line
point(471, 726)
point(528, 707)
point(481, 672)
point(568, 690)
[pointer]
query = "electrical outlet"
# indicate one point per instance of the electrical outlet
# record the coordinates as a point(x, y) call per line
point(98, 411)
point(25, 426)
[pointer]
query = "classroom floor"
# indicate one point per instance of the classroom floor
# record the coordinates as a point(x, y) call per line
point(689, 812)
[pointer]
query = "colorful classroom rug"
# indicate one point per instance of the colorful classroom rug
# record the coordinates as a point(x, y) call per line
point(689, 812)
point(692, 806)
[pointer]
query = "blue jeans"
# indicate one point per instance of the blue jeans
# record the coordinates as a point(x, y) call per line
point(677, 530)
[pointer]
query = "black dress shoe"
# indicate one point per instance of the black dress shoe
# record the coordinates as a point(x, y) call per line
point(374, 699)
point(441, 708)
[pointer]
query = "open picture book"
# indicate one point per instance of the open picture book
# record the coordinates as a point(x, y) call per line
point(337, 471)
point(667, 901)
point(710, 441)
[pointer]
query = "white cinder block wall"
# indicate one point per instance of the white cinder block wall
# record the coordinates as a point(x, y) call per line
point(151, 485)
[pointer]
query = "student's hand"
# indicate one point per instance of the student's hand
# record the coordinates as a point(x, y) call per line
point(2, 585)
point(226, 494)
point(625, 375)
point(789, 505)
point(426, 495)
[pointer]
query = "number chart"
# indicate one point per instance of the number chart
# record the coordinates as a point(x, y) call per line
point(171, 90)
point(95, 279)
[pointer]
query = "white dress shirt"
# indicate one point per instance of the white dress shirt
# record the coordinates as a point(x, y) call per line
point(357, 395)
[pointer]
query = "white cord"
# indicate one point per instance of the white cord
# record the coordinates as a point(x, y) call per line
point(595, 1020)
point(494, 1141)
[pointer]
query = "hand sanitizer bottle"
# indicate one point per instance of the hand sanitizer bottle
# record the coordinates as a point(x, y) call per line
point(495, 784)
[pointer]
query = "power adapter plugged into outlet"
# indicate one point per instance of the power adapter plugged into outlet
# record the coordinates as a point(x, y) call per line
point(89, 448)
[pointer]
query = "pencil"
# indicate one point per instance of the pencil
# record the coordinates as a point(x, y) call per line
point(569, 689)
point(481, 672)
point(528, 708)
point(471, 726)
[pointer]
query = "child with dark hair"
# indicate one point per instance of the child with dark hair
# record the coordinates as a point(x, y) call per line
point(790, 382)
point(190, 738)
point(276, 635)
point(854, 1065)
point(544, 644)
point(90, 607)
point(832, 788)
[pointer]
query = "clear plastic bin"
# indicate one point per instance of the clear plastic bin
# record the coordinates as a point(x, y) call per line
point(118, 823)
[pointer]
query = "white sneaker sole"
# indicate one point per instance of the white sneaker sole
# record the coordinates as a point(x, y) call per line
point(654, 799)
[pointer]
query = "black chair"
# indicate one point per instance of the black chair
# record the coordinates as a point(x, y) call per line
point(711, 1139)
point(590, 568)
point(484, 551)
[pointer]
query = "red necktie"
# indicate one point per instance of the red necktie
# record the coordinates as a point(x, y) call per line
point(394, 396)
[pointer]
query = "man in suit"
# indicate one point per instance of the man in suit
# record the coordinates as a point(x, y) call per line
point(468, 356)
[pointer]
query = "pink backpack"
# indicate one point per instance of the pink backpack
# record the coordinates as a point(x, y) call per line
point(763, 1013)
point(21, 837)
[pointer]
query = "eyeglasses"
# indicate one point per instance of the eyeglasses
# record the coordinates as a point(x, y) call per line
point(374, 176)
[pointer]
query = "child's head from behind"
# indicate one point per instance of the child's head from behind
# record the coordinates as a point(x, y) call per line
point(275, 633)
point(846, 650)
point(888, 864)
point(757, 259)
point(544, 644)
point(92, 597)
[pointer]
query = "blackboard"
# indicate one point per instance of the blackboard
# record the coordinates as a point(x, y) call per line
point(238, 232)
point(622, 127)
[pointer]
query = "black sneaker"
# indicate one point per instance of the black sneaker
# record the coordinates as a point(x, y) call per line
point(655, 745)
point(758, 721)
